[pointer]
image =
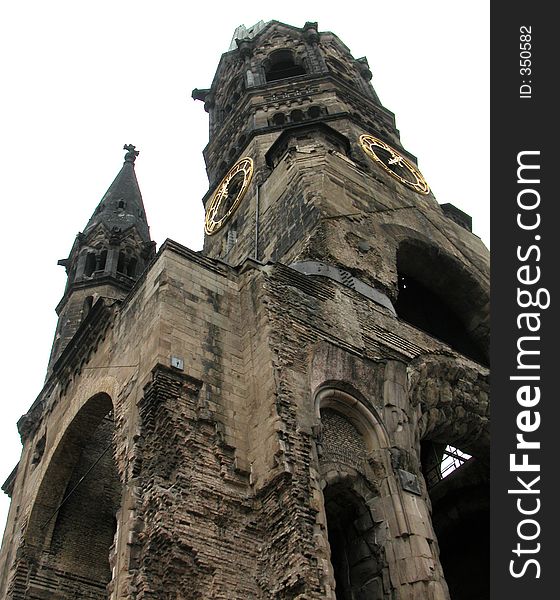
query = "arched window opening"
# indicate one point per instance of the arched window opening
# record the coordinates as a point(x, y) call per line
point(132, 267)
point(313, 112)
point(426, 310)
point(296, 116)
point(440, 297)
point(102, 260)
point(121, 263)
point(71, 531)
point(122, 204)
point(348, 422)
point(90, 264)
point(279, 119)
point(281, 65)
point(355, 557)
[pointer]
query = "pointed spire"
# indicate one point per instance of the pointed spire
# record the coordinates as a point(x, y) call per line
point(116, 242)
point(121, 207)
point(108, 257)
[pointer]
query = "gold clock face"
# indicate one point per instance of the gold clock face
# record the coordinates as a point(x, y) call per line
point(394, 163)
point(228, 195)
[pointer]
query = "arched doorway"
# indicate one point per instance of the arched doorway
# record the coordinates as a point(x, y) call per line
point(348, 435)
point(356, 558)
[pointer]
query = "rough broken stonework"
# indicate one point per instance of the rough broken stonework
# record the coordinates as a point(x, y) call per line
point(267, 418)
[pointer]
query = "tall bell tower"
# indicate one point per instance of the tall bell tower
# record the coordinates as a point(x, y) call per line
point(273, 417)
point(306, 164)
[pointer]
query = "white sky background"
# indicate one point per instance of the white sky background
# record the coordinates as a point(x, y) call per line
point(80, 79)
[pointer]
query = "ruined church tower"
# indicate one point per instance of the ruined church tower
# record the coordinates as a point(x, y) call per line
point(269, 418)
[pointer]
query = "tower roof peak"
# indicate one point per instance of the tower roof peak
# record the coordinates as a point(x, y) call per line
point(121, 206)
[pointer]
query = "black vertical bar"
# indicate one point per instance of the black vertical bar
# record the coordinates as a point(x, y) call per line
point(525, 171)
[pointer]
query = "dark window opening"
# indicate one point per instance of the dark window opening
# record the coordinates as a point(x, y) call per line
point(122, 204)
point(279, 119)
point(426, 310)
point(102, 260)
point(355, 557)
point(296, 116)
point(90, 264)
point(131, 267)
point(282, 65)
point(431, 455)
point(121, 264)
point(314, 112)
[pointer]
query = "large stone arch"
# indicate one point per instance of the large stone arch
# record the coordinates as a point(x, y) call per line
point(456, 294)
point(72, 523)
point(371, 510)
point(452, 400)
point(349, 479)
point(348, 400)
point(353, 449)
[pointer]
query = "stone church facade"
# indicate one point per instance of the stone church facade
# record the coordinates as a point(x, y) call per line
point(266, 418)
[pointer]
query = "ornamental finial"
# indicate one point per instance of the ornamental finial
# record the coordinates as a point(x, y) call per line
point(131, 153)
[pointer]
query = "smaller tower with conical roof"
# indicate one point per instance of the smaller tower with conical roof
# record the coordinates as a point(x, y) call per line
point(108, 256)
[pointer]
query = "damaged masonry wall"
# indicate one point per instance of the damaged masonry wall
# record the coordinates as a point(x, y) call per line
point(222, 465)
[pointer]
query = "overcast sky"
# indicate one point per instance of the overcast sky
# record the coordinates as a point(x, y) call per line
point(80, 79)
